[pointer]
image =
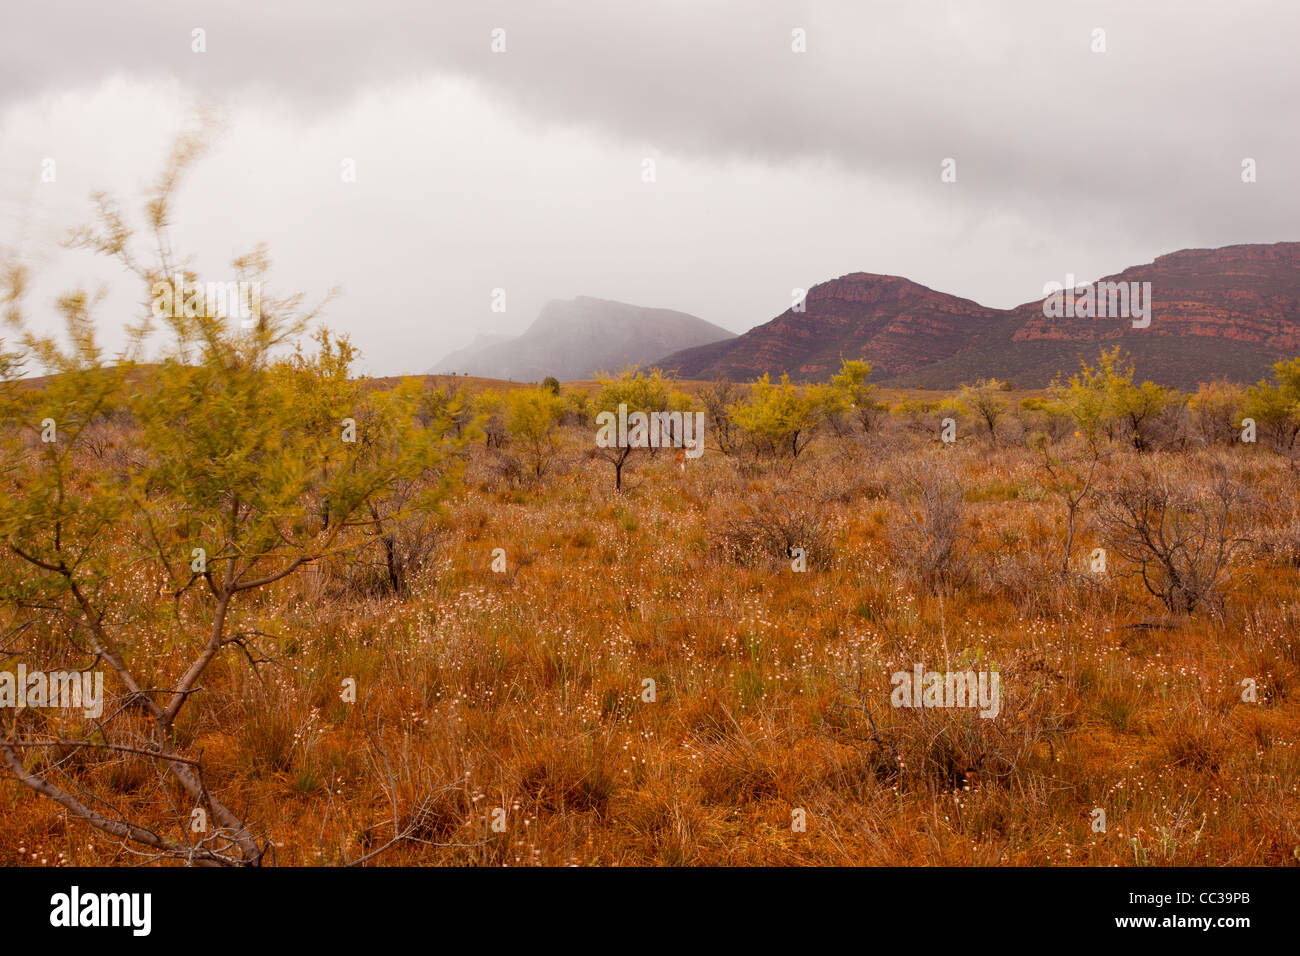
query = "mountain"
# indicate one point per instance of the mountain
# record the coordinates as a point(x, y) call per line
point(1216, 313)
point(897, 324)
point(462, 358)
point(577, 338)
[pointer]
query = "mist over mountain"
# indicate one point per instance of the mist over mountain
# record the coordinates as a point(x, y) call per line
point(576, 338)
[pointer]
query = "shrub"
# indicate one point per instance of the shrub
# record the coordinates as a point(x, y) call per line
point(767, 529)
point(532, 420)
point(1216, 409)
point(927, 532)
point(985, 401)
point(1179, 532)
point(778, 419)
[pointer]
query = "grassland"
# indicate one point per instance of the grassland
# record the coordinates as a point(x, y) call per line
point(523, 690)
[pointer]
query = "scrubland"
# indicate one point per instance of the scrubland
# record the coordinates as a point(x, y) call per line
point(345, 621)
point(514, 680)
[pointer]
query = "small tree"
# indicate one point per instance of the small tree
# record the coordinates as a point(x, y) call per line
point(489, 408)
point(639, 391)
point(577, 407)
point(251, 465)
point(1088, 397)
point(1140, 408)
point(851, 382)
point(779, 419)
point(1071, 476)
point(1217, 409)
point(927, 533)
point(1104, 402)
point(1180, 535)
point(1275, 408)
point(1049, 416)
point(532, 421)
point(984, 399)
point(446, 406)
point(718, 399)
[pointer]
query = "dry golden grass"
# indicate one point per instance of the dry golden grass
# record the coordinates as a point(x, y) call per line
point(522, 690)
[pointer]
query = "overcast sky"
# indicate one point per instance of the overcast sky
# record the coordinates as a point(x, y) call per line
point(774, 169)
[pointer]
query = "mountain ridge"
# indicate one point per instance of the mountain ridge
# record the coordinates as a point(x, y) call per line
point(1227, 312)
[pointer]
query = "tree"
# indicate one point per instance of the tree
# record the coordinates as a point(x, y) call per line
point(639, 391)
point(984, 399)
point(251, 465)
point(1071, 477)
point(927, 532)
point(489, 408)
point(778, 419)
point(1217, 407)
point(851, 382)
point(447, 404)
point(532, 419)
point(1049, 416)
point(1140, 408)
point(1104, 401)
point(1087, 399)
point(422, 429)
point(1275, 407)
point(718, 399)
point(577, 407)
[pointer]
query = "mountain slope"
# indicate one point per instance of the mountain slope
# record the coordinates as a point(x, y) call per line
point(1217, 313)
point(462, 358)
point(896, 324)
point(577, 338)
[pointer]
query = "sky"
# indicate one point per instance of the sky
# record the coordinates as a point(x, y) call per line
point(791, 143)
